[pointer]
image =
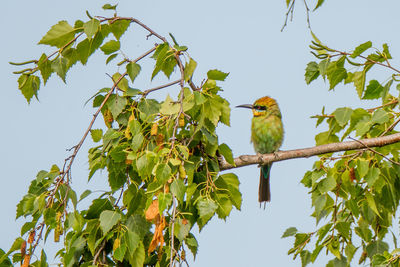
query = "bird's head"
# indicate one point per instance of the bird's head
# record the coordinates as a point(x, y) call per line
point(263, 106)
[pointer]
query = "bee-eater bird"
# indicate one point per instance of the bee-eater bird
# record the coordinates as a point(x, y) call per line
point(266, 136)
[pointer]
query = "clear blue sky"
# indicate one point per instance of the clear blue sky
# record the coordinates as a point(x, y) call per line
point(240, 37)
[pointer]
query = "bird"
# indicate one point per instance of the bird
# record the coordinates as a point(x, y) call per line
point(267, 137)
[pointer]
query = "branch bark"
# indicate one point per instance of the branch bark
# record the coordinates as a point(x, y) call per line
point(245, 160)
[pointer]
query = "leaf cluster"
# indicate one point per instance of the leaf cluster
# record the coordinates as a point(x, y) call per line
point(161, 158)
point(355, 195)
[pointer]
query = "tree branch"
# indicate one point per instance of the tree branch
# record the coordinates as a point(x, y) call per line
point(246, 160)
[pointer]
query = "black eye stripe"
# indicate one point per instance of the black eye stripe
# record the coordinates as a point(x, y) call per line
point(260, 107)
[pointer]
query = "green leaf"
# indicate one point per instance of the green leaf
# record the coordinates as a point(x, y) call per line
point(59, 34)
point(217, 75)
point(325, 138)
point(319, 3)
point(305, 256)
point(206, 208)
point(16, 245)
point(45, 69)
point(132, 240)
point(362, 167)
point(363, 126)
point(189, 69)
point(361, 48)
point(96, 134)
point(327, 184)
point(231, 183)
point(226, 152)
point(86, 193)
point(137, 142)
point(88, 46)
point(224, 206)
point(98, 205)
point(163, 173)
point(359, 82)
point(291, 231)
point(123, 83)
point(312, 72)
point(110, 47)
point(109, 7)
point(371, 203)
point(336, 262)
point(108, 219)
point(373, 91)
point(192, 244)
point(380, 116)
point(169, 106)
point(138, 257)
point(59, 65)
point(91, 27)
point(164, 200)
point(178, 189)
point(133, 70)
point(343, 115)
point(111, 57)
point(119, 252)
point(376, 247)
point(116, 104)
point(29, 85)
point(344, 229)
point(386, 51)
point(182, 229)
point(336, 73)
point(349, 251)
point(119, 27)
point(372, 176)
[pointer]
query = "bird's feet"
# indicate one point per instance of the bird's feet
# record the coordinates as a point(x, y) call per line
point(276, 155)
point(260, 159)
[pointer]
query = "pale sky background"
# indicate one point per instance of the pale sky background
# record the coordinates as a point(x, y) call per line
point(239, 37)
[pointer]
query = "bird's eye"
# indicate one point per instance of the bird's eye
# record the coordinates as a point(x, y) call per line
point(259, 108)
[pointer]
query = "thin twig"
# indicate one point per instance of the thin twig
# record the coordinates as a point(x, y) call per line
point(369, 60)
point(146, 92)
point(308, 14)
point(374, 151)
point(394, 101)
point(144, 54)
point(290, 11)
point(391, 126)
point(98, 252)
point(172, 259)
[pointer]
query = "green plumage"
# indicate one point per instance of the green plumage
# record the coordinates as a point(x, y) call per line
point(266, 136)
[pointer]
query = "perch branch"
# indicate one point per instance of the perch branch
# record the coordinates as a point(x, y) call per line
point(246, 160)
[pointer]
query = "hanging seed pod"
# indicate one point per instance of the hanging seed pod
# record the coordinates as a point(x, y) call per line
point(57, 233)
point(127, 133)
point(31, 237)
point(154, 129)
point(116, 244)
point(182, 172)
point(23, 249)
point(108, 118)
point(181, 120)
point(160, 139)
point(27, 260)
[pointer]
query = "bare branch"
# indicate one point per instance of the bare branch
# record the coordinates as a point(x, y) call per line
point(145, 93)
point(246, 160)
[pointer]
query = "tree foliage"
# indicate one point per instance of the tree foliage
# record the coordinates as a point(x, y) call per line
point(355, 195)
point(163, 158)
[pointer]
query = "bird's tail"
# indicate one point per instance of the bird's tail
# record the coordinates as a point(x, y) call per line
point(264, 192)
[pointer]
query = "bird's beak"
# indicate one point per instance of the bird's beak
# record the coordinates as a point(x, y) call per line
point(250, 106)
